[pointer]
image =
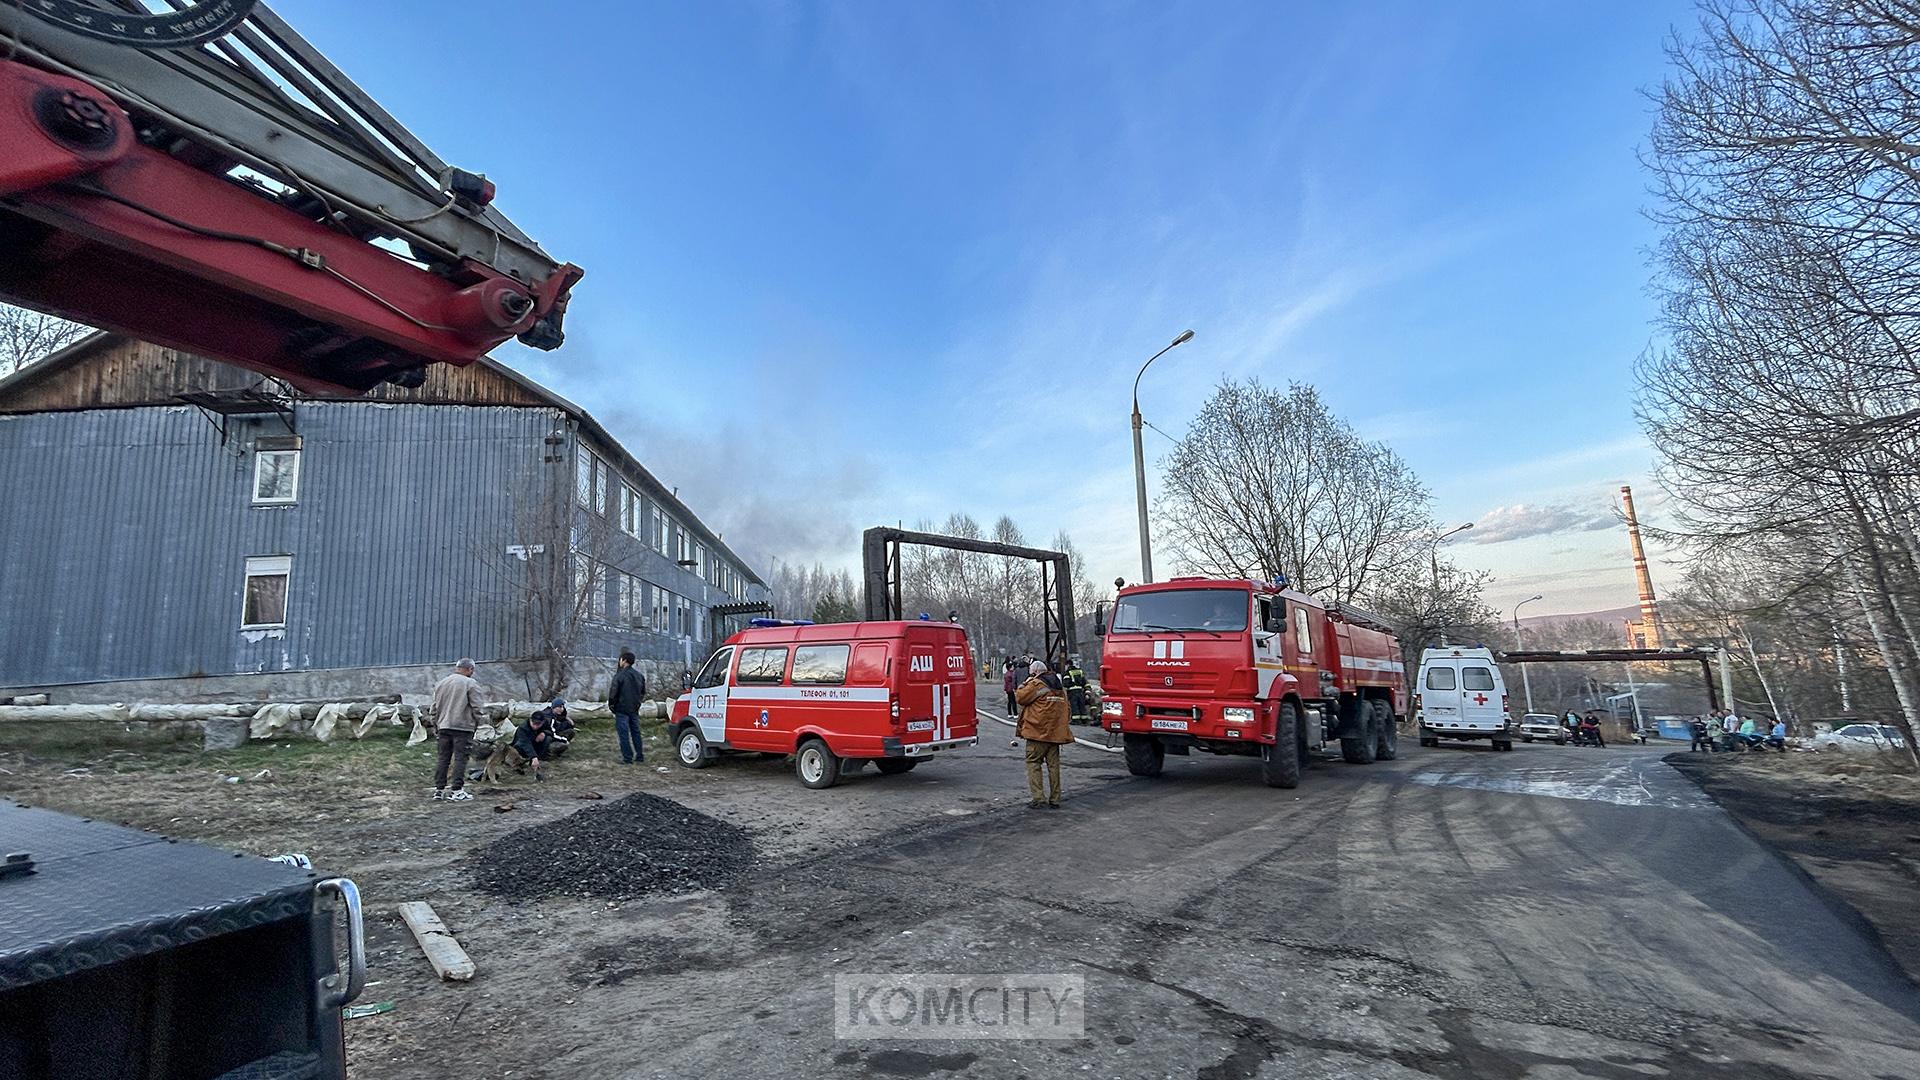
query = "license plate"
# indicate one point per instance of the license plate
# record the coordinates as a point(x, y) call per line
point(1169, 725)
point(920, 725)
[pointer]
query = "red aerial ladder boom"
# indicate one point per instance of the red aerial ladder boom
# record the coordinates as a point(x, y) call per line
point(201, 177)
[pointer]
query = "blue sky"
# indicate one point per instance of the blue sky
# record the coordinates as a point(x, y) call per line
point(849, 264)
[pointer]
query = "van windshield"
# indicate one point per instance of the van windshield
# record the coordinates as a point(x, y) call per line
point(1181, 609)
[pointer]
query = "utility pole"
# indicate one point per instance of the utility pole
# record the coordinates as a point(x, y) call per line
point(1140, 462)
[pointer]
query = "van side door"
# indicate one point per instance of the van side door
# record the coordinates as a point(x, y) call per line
point(759, 710)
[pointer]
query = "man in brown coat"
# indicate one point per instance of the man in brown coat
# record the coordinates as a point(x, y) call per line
point(456, 712)
point(1043, 723)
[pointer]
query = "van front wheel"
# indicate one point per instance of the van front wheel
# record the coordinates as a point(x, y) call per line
point(817, 766)
point(690, 749)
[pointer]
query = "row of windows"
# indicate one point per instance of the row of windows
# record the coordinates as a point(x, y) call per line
point(613, 596)
point(598, 490)
point(813, 665)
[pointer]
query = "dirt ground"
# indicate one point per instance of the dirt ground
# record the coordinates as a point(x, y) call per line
point(1850, 821)
point(362, 809)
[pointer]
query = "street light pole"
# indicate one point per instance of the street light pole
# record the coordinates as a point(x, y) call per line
point(1439, 539)
point(1526, 679)
point(1140, 462)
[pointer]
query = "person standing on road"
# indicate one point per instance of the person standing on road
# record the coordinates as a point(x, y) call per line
point(1077, 695)
point(629, 689)
point(1008, 683)
point(1702, 735)
point(456, 712)
point(1043, 723)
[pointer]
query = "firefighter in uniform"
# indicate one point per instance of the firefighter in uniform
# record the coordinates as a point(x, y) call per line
point(1077, 695)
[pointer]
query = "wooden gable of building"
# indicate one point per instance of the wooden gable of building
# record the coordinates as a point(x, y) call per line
point(108, 371)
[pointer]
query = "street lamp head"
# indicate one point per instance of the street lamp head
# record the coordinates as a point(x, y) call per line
point(1531, 599)
point(1184, 337)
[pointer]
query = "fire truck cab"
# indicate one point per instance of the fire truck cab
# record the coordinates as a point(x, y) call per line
point(832, 696)
point(1247, 668)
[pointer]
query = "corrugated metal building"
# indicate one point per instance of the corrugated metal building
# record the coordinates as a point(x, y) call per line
point(172, 516)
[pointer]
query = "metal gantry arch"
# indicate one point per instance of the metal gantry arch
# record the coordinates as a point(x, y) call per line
point(880, 574)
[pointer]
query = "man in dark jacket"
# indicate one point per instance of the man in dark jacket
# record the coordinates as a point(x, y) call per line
point(533, 744)
point(1077, 694)
point(623, 698)
point(560, 727)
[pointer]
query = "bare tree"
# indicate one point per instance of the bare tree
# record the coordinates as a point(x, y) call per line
point(1270, 483)
point(1786, 403)
point(28, 336)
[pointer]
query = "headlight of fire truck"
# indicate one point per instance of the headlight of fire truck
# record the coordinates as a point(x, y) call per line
point(1110, 708)
point(1235, 715)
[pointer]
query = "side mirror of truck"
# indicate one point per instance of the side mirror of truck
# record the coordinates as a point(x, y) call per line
point(1100, 619)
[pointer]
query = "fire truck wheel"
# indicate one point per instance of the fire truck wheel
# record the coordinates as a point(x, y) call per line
point(1386, 736)
point(818, 766)
point(1145, 756)
point(894, 766)
point(1360, 750)
point(1280, 759)
point(690, 749)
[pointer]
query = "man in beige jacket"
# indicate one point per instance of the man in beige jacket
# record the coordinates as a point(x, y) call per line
point(456, 712)
point(1043, 723)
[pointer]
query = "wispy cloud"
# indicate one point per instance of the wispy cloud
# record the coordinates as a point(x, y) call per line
point(1521, 520)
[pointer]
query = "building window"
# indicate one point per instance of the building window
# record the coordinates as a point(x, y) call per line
point(265, 604)
point(637, 614)
point(686, 615)
point(663, 526)
point(662, 610)
point(584, 462)
point(599, 486)
point(276, 472)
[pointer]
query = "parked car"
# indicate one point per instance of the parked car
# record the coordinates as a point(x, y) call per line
point(1544, 726)
point(1862, 737)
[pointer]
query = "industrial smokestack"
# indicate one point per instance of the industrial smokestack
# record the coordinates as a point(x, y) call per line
point(1646, 635)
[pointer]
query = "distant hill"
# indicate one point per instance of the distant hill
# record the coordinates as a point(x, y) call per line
point(1611, 616)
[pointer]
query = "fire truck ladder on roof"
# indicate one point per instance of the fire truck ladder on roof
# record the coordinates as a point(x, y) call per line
point(229, 88)
point(880, 571)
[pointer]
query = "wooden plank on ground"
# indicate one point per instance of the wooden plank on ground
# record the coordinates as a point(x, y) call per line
point(449, 960)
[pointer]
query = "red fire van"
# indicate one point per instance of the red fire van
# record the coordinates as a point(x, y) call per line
point(834, 696)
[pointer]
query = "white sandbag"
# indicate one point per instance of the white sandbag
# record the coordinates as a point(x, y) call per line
point(419, 733)
point(112, 713)
point(329, 716)
point(272, 718)
point(379, 714)
point(187, 712)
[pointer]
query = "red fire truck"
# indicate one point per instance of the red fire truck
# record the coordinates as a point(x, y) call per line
point(834, 696)
point(1250, 668)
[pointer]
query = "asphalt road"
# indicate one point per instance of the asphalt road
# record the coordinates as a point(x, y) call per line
point(1546, 913)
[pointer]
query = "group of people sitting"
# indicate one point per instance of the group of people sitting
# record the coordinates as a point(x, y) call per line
point(1725, 731)
point(535, 744)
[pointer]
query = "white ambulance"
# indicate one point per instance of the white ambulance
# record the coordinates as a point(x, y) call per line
point(1460, 695)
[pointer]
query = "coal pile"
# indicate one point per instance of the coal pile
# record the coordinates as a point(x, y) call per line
point(641, 845)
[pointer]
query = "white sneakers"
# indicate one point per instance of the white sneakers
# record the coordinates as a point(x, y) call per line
point(460, 795)
point(439, 793)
